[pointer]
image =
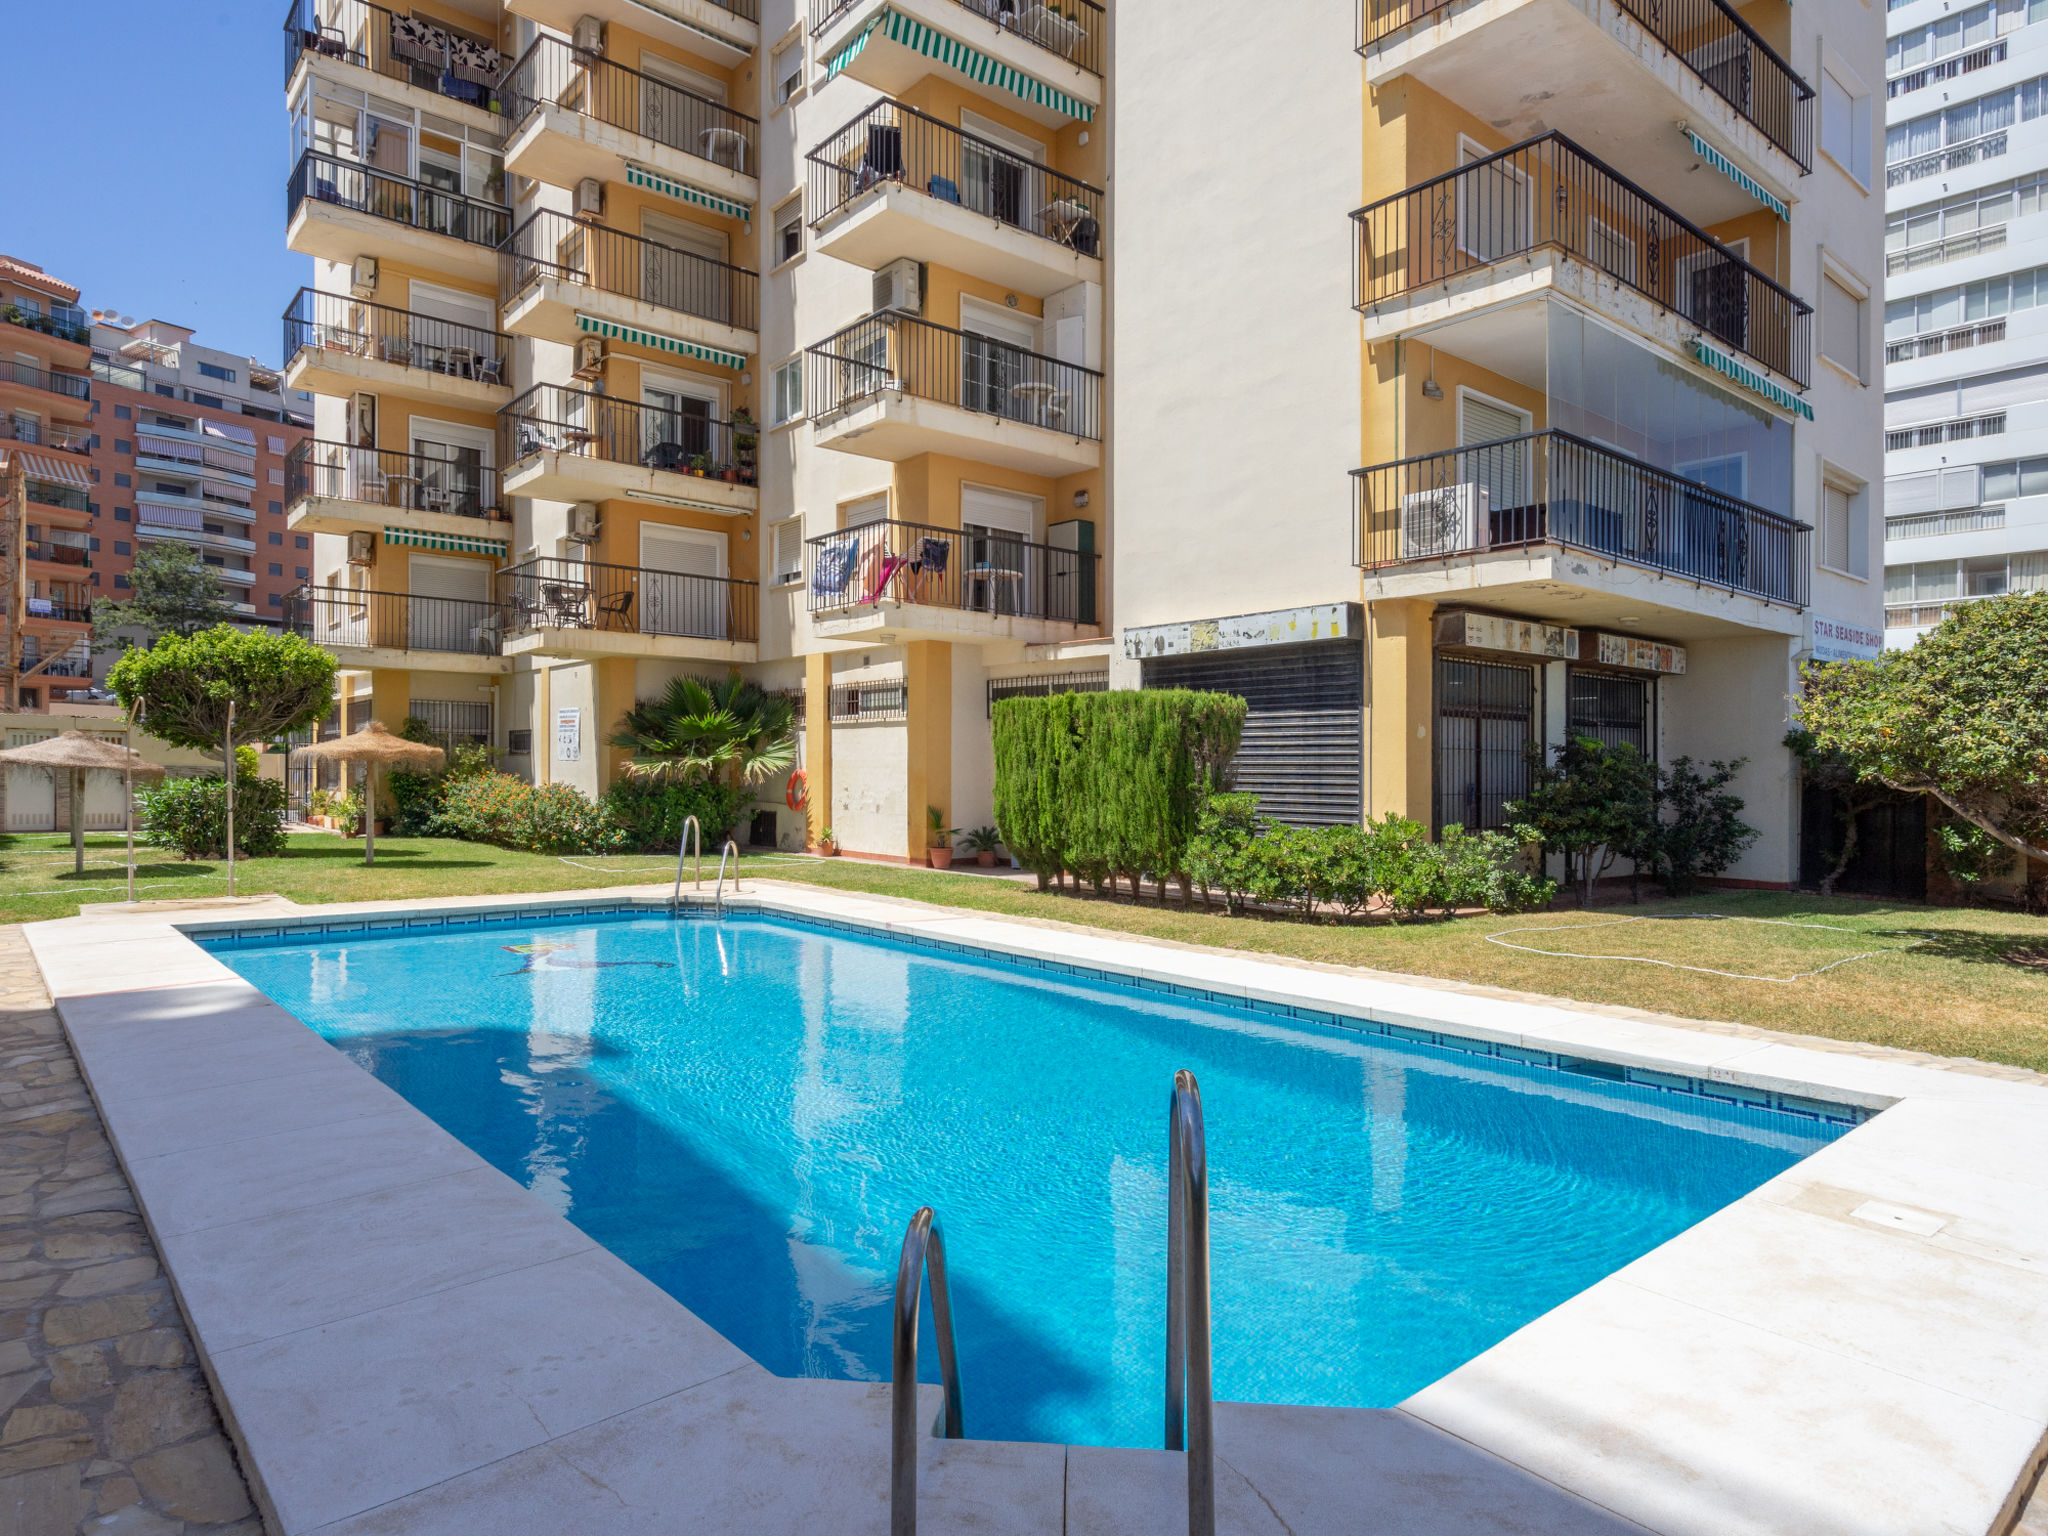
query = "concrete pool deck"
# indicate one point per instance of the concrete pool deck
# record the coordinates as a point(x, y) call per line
point(402, 1339)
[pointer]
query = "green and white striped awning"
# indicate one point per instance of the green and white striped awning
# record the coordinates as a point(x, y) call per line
point(1750, 379)
point(1736, 174)
point(447, 543)
point(592, 326)
point(683, 192)
point(971, 62)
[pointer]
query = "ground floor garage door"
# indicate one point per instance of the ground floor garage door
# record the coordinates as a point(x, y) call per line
point(1303, 753)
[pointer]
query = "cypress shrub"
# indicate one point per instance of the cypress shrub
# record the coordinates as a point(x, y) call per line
point(1110, 785)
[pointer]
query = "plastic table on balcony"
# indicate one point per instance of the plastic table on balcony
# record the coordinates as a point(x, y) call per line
point(1038, 403)
point(992, 579)
point(720, 143)
point(1049, 29)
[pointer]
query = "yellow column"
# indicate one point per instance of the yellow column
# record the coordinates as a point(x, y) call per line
point(928, 669)
point(390, 703)
point(544, 727)
point(1400, 694)
point(817, 745)
point(616, 684)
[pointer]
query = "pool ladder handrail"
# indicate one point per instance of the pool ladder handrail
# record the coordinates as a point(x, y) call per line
point(924, 1246)
point(1190, 1386)
point(675, 898)
point(718, 894)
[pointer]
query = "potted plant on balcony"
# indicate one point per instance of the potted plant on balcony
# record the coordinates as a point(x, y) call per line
point(984, 841)
point(940, 840)
point(700, 465)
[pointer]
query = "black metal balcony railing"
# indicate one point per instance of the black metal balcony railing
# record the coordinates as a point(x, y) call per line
point(1549, 192)
point(337, 323)
point(351, 184)
point(628, 600)
point(66, 498)
point(892, 353)
point(65, 610)
point(1706, 35)
point(74, 386)
point(553, 72)
point(453, 482)
point(65, 325)
point(1072, 29)
point(397, 621)
point(974, 570)
point(551, 419)
point(1554, 488)
point(554, 245)
point(890, 143)
point(43, 434)
point(415, 49)
point(59, 554)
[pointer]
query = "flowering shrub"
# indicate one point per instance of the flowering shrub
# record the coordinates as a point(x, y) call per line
point(191, 815)
point(533, 818)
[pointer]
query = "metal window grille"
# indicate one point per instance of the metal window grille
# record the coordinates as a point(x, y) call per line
point(455, 722)
point(1485, 723)
point(1614, 710)
point(1927, 525)
point(858, 703)
point(1044, 686)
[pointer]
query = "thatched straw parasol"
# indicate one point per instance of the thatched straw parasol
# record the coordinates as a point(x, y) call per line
point(373, 747)
point(79, 754)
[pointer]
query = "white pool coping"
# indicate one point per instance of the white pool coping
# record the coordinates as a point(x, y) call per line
point(403, 1339)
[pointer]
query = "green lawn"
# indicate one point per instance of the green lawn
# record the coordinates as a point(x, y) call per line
point(1949, 981)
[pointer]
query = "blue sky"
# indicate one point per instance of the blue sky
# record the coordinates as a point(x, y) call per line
point(147, 154)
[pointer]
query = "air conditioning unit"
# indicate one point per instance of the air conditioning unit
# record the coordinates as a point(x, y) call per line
point(589, 357)
point(362, 547)
point(362, 277)
point(583, 522)
point(1451, 520)
point(589, 198)
point(589, 35)
point(899, 286)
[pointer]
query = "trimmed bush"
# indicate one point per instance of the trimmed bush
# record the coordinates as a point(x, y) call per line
point(508, 812)
point(191, 815)
point(1110, 785)
point(650, 813)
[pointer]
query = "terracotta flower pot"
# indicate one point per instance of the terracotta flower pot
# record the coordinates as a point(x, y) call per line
point(986, 858)
point(942, 858)
point(827, 850)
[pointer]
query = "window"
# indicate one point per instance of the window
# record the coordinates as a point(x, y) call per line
point(301, 572)
point(277, 538)
point(274, 444)
point(121, 514)
point(519, 743)
point(213, 401)
point(277, 477)
point(1845, 123)
point(789, 391)
point(121, 547)
point(123, 413)
point(215, 371)
point(277, 600)
point(788, 71)
point(789, 552)
point(1842, 326)
point(301, 541)
point(1844, 536)
point(1947, 308)
point(789, 237)
point(1961, 124)
point(123, 482)
point(121, 582)
point(276, 569)
point(277, 509)
point(123, 445)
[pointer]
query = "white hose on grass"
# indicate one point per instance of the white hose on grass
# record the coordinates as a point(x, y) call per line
point(1500, 938)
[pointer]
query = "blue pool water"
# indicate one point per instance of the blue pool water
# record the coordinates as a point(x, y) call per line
point(749, 1112)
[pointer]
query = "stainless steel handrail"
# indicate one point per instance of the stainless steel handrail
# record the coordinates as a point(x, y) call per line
point(675, 897)
point(718, 894)
point(923, 1245)
point(1190, 1390)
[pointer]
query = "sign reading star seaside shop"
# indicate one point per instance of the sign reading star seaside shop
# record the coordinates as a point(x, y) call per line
point(1834, 640)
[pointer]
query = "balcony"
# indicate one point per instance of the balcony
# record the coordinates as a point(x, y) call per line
point(336, 345)
point(340, 209)
point(915, 581)
point(414, 50)
point(393, 629)
point(1962, 338)
point(567, 445)
point(1495, 518)
point(725, 31)
point(1458, 244)
point(977, 44)
point(895, 182)
point(34, 434)
point(581, 608)
point(583, 115)
point(559, 279)
point(1958, 156)
point(70, 325)
point(891, 387)
point(65, 609)
point(66, 386)
point(1616, 75)
point(47, 552)
point(335, 488)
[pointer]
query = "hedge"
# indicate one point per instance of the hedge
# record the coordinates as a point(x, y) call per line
point(1110, 784)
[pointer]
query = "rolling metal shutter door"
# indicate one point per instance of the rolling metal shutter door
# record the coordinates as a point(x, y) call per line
point(1303, 753)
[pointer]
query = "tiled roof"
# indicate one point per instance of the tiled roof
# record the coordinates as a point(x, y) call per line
point(16, 270)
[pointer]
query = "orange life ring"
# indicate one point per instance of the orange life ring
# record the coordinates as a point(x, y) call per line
point(799, 790)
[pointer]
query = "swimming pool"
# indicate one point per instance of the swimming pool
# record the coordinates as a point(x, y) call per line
point(748, 1112)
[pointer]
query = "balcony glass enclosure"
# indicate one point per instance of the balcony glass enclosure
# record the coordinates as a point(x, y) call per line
point(398, 142)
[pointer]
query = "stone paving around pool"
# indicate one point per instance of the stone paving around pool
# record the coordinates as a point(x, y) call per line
point(107, 1427)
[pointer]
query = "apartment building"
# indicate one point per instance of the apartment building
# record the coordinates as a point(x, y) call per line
point(657, 339)
point(1966, 357)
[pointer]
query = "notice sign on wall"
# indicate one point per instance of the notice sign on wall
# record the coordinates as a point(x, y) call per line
point(568, 733)
point(1642, 655)
point(1834, 640)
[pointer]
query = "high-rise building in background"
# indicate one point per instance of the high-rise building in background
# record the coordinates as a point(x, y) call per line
point(804, 338)
point(1966, 378)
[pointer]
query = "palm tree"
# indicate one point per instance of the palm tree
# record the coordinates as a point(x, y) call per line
point(703, 728)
